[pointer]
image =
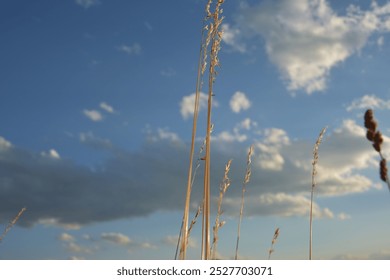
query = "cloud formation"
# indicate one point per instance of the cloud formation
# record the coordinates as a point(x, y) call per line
point(230, 37)
point(93, 115)
point(106, 107)
point(368, 102)
point(87, 3)
point(63, 193)
point(116, 238)
point(305, 39)
point(239, 102)
point(130, 50)
point(187, 104)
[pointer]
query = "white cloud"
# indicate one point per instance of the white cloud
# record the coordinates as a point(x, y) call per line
point(66, 237)
point(75, 248)
point(52, 154)
point(247, 124)
point(188, 102)
point(106, 107)
point(172, 240)
point(368, 102)
point(343, 216)
point(93, 115)
point(117, 238)
point(226, 136)
point(305, 39)
point(269, 156)
point(133, 49)
point(231, 36)
point(87, 3)
point(4, 144)
point(239, 102)
point(279, 204)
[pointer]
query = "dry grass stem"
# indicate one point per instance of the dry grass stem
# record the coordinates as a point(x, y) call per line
point(199, 83)
point(271, 250)
point(246, 181)
point(218, 224)
point(12, 223)
point(376, 138)
point(215, 37)
point(313, 185)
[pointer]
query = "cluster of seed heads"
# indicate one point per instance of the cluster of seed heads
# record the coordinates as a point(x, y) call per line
point(375, 137)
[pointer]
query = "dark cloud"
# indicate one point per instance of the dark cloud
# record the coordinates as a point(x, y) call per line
point(133, 184)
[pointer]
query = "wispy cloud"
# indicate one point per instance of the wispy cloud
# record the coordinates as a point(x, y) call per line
point(87, 3)
point(169, 72)
point(231, 36)
point(239, 102)
point(368, 101)
point(134, 49)
point(52, 154)
point(66, 237)
point(106, 107)
point(306, 39)
point(93, 115)
point(117, 238)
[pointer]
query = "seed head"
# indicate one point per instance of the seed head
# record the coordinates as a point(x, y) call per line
point(383, 170)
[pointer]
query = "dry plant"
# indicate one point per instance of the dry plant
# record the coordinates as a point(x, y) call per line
point(198, 161)
point(271, 250)
point(218, 224)
point(211, 41)
point(313, 185)
point(246, 181)
point(375, 137)
point(12, 223)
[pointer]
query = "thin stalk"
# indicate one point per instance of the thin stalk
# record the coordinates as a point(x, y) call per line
point(12, 223)
point(215, 35)
point(218, 224)
point(313, 185)
point(271, 250)
point(184, 226)
point(246, 181)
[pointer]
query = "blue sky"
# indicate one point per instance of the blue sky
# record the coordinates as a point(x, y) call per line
point(95, 126)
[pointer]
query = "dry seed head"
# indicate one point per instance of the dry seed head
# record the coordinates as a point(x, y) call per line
point(378, 138)
point(248, 164)
point(370, 135)
point(369, 115)
point(276, 235)
point(383, 170)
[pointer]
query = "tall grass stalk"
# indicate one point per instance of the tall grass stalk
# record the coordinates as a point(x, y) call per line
point(12, 223)
point(215, 38)
point(245, 182)
point(271, 250)
point(218, 224)
point(313, 185)
point(199, 83)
